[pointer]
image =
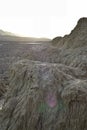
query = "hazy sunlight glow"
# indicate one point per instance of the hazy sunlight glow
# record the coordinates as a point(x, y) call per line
point(41, 18)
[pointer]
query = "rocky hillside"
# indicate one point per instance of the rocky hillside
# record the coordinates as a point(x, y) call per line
point(47, 87)
point(77, 37)
point(67, 49)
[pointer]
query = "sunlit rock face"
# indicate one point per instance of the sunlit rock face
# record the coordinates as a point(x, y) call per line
point(44, 96)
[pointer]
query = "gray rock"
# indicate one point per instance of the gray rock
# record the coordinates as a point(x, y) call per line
point(3, 88)
point(44, 96)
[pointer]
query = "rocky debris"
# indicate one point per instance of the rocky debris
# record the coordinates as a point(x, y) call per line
point(44, 96)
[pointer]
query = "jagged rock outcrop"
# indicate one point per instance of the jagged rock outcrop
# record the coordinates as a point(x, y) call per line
point(45, 96)
point(77, 37)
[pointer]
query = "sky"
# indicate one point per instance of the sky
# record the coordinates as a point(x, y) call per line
point(41, 18)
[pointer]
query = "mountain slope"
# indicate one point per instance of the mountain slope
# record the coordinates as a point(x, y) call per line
point(5, 33)
point(77, 37)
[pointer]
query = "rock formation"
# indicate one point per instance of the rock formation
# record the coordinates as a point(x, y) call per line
point(48, 89)
point(44, 96)
point(70, 50)
point(2, 88)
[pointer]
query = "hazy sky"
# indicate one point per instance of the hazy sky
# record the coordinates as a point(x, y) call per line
point(41, 18)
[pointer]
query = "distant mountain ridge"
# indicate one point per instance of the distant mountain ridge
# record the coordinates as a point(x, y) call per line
point(6, 36)
point(4, 33)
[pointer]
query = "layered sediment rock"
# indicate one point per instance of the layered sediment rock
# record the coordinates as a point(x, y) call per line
point(44, 96)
